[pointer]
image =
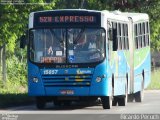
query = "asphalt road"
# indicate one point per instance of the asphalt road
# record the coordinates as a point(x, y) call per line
point(150, 105)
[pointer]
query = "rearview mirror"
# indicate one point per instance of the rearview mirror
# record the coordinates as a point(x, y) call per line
point(23, 41)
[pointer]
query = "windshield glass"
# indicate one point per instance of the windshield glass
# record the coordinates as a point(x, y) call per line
point(62, 45)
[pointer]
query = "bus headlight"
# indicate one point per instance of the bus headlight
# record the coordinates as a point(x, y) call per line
point(35, 79)
point(98, 79)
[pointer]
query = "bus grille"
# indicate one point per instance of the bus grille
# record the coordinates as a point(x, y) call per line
point(67, 80)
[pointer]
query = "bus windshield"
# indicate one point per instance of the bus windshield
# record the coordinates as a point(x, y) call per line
point(67, 45)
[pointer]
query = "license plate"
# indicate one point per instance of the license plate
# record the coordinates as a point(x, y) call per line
point(67, 92)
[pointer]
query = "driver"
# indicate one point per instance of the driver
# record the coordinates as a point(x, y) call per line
point(92, 42)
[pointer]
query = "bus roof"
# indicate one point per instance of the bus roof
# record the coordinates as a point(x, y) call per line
point(61, 10)
point(135, 16)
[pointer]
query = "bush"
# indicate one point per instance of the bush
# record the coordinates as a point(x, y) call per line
point(16, 70)
point(16, 76)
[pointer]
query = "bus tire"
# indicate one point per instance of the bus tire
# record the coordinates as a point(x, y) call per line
point(57, 103)
point(122, 100)
point(40, 103)
point(130, 98)
point(115, 101)
point(106, 102)
point(66, 103)
point(139, 96)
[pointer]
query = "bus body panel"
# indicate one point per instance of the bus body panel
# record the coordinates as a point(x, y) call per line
point(103, 87)
point(79, 81)
point(35, 88)
point(120, 69)
point(142, 60)
point(121, 74)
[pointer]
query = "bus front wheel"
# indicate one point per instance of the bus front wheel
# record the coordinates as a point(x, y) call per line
point(106, 102)
point(40, 102)
point(57, 103)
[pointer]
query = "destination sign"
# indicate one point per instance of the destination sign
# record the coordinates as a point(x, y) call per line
point(67, 18)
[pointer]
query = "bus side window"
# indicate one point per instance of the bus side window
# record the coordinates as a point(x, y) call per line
point(144, 32)
point(126, 37)
point(115, 42)
point(139, 36)
point(123, 36)
point(147, 33)
point(137, 39)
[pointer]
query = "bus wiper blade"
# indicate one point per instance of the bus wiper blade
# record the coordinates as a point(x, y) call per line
point(78, 36)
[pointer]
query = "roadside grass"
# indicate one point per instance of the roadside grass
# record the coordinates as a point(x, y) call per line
point(12, 87)
point(13, 94)
point(155, 80)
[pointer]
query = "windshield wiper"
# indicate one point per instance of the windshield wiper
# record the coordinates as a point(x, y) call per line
point(78, 36)
point(56, 36)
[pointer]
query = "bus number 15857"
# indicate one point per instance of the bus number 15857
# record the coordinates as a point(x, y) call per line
point(50, 72)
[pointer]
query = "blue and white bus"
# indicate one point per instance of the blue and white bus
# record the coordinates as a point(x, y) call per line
point(79, 54)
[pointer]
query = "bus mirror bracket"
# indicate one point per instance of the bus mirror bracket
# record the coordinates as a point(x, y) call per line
point(115, 42)
point(23, 41)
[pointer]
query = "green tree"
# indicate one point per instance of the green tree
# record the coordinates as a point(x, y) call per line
point(13, 24)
